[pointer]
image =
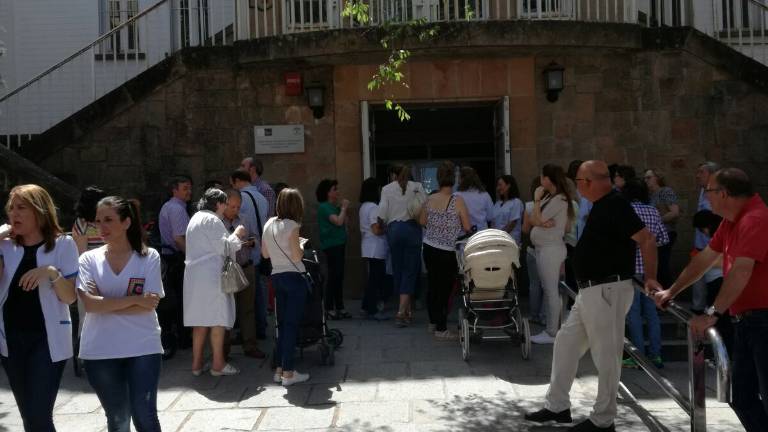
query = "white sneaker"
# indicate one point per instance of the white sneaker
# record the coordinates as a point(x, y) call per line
point(543, 338)
point(295, 379)
point(227, 370)
point(277, 378)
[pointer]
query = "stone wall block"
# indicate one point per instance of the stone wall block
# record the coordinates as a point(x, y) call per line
point(685, 130)
point(589, 83)
point(423, 77)
point(494, 78)
point(445, 77)
point(468, 76)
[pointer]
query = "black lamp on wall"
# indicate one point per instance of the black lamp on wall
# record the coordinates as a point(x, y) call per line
point(554, 80)
point(316, 98)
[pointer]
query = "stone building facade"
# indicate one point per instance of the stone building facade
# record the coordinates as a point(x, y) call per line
point(667, 99)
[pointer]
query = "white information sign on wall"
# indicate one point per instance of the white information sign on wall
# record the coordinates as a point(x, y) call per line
point(278, 139)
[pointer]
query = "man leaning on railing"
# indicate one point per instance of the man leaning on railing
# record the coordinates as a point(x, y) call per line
point(604, 262)
point(742, 241)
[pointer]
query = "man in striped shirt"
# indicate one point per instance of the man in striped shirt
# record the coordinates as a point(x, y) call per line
point(643, 306)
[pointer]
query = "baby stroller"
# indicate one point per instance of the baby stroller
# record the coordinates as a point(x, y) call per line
point(490, 308)
point(313, 329)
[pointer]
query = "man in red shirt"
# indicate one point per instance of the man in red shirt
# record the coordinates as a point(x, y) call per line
point(742, 241)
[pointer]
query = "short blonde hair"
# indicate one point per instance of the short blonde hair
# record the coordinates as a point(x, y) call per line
point(45, 211)
point(290, 205)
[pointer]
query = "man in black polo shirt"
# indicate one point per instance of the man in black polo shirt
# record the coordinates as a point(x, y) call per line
point(604, 262)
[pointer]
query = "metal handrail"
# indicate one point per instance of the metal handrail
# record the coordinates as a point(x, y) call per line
point(77, 53)
point(695, 403)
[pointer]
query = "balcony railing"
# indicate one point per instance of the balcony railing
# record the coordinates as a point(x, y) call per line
point(142, 40)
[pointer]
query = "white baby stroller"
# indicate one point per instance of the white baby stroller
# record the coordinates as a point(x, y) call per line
point(490, 309)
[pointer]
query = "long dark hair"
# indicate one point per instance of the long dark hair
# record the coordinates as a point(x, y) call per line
point(513, 191)
point(468, 180)
point(369, 191)
point(556, 175)
point(86, 206)
point(127, 209)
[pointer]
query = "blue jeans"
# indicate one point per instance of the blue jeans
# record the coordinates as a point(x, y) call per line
point(127, 388)
point(33, 377)
point(375, 291)
point(291, 298)
point(404, 240)
point(535, 291)
point(750, 372)
point(644, 307)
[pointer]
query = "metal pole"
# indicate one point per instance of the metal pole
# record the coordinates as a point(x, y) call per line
point(697, 373)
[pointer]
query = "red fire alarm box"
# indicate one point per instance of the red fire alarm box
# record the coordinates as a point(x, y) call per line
point(293, 84)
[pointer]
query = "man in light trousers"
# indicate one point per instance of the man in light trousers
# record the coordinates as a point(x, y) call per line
point(604, 261)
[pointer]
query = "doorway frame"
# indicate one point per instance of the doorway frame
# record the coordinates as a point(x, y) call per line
point(502, 103)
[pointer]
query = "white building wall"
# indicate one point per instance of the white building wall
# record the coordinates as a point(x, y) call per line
point(45, 32)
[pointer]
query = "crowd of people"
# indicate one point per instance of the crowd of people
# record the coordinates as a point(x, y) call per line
point(594, 226)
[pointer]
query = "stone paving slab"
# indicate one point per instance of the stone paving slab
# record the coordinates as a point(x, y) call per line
point(385, 380)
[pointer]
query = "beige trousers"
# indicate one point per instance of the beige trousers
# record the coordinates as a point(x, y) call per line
point(596, 323)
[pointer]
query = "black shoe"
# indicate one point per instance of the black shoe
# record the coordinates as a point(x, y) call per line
point(588, 426)
point(545, 415)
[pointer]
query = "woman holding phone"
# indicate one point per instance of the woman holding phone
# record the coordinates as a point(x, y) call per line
point(120, 286)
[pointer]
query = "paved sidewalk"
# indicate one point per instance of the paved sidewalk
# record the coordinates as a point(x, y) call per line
point(385, 380)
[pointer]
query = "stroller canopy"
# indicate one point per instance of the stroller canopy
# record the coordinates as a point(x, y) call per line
point(490, 257)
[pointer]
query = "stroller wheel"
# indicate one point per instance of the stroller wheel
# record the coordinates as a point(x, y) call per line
point(525, 339)
point(464, 335)
point(335, 338)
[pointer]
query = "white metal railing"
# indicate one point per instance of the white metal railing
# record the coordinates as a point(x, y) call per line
point(143, 39)
point(139, 42)
point(743, 25)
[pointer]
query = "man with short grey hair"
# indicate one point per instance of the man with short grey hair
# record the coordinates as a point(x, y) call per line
point(255, 168)
point(604, 263)
point(700, 240)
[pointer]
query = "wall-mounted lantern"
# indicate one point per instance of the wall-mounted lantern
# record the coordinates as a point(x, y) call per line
point(554, 80)
point(316, 98)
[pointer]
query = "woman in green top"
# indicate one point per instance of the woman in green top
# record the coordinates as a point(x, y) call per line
point(331, 218)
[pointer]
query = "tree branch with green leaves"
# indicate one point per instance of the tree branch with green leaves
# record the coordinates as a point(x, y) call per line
point(395, 33)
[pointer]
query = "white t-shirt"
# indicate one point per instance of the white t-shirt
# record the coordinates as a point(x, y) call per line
point(280, 230)
point(115, 335)
point(373, 246)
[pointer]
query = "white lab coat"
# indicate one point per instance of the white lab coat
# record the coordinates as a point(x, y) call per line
point(205, 305)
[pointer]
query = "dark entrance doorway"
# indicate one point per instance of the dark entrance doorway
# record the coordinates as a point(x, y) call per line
point(466, 134)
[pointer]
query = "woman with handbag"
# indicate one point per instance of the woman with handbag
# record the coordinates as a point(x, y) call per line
point(281, 243)
point(209, 306)
point(400, 206)
point(120, 286)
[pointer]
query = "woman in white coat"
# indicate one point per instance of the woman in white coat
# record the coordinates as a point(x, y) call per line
point(206, 307)
point(38, 265)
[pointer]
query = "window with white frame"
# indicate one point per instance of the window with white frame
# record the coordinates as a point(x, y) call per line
point(114, 13)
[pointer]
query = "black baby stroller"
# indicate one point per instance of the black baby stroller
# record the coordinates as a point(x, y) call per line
point(490, 309)
point(313, 329)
